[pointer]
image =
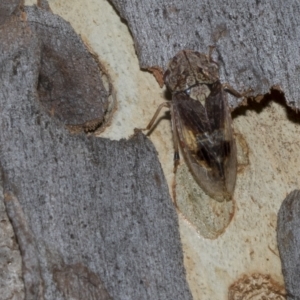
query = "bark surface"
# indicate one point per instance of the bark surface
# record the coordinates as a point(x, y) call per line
point(288, 238)
point(92, 217)
point(256, 42)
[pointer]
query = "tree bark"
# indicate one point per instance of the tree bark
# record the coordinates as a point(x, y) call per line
point(256, 42)
point(288, 233)
point(92, 217)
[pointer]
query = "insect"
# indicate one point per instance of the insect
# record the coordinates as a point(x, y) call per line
point(201, 122)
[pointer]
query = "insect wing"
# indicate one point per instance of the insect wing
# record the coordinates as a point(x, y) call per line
point(206, 139)
point(220, 118)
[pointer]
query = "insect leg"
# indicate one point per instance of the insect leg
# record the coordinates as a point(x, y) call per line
point(165, 104)
point(175, 141)
point(228, 88)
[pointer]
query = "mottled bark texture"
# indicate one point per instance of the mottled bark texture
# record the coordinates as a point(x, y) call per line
point(257, 42)
point(7, 9)
point(288, 239)
point(257, 46)
point(92, 217)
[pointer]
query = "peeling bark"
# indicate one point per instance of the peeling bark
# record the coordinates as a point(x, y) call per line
point(93, 217)
point(256, 42)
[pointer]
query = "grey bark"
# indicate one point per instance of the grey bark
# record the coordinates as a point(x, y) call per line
point(288, 238)
point(257, 42)
point(257, 46)
point(93, 218)
point(8, 7)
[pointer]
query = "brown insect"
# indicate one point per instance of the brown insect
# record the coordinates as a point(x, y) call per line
point(201, 121)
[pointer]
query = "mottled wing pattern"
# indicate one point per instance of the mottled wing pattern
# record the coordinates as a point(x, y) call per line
point(220, 119)
point(216, 107)
point(206, 139)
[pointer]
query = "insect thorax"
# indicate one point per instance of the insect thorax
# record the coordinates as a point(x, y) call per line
point(199, 92)
point(190, 69)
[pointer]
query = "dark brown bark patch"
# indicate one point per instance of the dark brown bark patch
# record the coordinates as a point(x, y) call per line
point(70, 83)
